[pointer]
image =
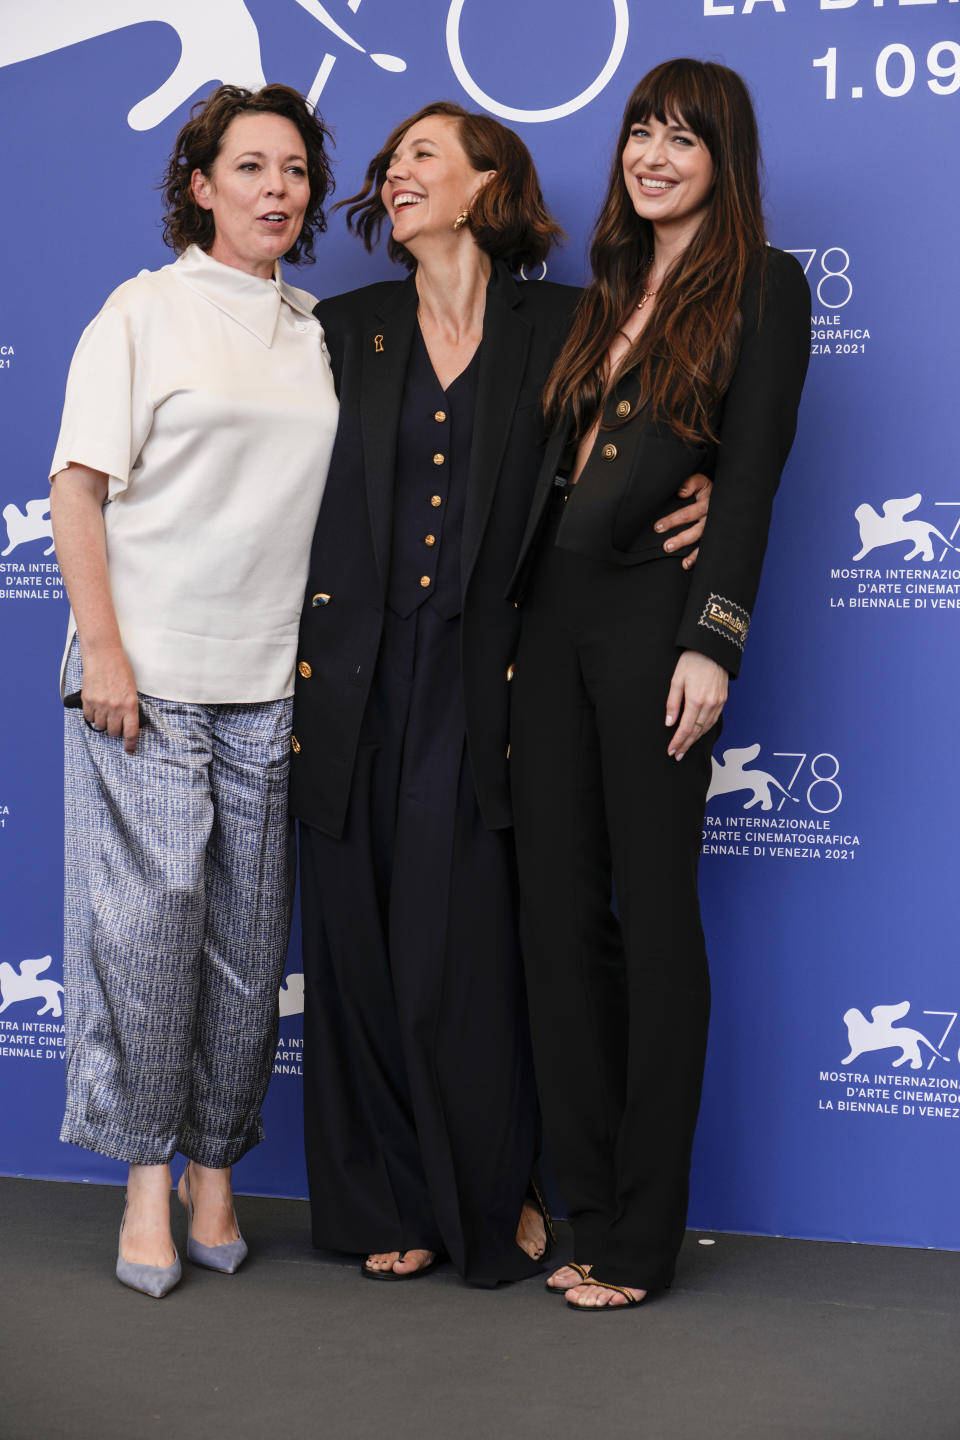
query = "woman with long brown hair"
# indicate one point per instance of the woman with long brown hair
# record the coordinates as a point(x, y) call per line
point(688, 352)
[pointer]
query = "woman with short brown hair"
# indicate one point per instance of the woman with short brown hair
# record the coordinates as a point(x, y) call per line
point(421, 1117)
point(199, 402)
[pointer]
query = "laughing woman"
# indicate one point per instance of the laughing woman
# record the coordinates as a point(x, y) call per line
point(688, 352)
point(421, 1117)
point(197, 429)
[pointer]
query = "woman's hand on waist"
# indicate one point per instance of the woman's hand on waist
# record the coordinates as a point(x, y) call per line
point(698, 692)
point(697, 489)
point(110, 700)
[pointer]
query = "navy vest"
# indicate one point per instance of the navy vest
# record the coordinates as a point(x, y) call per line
point(430, 486)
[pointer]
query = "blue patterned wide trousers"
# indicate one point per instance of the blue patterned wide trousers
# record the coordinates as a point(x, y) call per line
point(178, 893)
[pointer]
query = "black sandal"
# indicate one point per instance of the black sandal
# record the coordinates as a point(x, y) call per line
point(631, 1301)
point(582, 1271)
point(392, 1274)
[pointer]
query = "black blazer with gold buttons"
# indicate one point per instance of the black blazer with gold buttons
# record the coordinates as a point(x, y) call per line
point(369, 333)
point(636, 467)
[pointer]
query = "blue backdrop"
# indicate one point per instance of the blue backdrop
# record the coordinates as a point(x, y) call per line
point(832, 1101)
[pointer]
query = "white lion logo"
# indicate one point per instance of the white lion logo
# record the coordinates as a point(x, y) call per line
point(731, 776)
point(33, 524)
point(291, 995)
point(218, 41)
point(878, 1033)
point(15, 987)
point(891, 528)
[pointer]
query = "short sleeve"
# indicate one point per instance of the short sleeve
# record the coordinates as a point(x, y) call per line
point(106, 412)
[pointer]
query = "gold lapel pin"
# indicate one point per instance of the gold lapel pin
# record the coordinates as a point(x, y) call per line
point(378, 344)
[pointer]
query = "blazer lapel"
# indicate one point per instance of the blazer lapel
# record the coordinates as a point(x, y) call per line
point(386, 342)
point(541, 495)
point(503, 359)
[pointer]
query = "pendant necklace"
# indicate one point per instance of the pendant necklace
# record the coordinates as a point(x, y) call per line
point(645, 295)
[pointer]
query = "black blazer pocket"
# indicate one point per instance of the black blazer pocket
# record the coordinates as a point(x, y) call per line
point(660, 465)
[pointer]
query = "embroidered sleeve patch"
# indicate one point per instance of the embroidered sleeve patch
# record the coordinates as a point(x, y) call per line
point(726, 619)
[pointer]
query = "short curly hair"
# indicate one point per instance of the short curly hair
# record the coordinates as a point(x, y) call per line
point(507, 217)
point(197, 147)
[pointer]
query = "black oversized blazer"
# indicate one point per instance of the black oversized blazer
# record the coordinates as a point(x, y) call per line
point(637, 466)
point(369, 334)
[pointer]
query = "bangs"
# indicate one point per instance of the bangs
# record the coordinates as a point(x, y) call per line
point(677, 93)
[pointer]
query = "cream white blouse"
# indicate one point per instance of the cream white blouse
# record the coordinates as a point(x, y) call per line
point(205, 394)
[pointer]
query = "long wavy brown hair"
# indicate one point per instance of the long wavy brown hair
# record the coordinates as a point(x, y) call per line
point(685, 354)
point(507, 217)
point(198, 145)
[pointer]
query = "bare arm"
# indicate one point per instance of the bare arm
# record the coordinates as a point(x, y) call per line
point(109, 689)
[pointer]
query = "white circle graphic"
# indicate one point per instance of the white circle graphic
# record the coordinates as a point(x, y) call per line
point(554, 112)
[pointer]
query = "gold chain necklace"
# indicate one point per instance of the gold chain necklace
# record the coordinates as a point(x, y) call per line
point(645, 295)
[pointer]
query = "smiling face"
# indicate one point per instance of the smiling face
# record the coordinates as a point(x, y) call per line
point(429, 182)
point(257, 191)
point(669, 174)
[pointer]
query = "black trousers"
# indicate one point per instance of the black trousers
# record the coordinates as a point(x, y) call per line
point(619, 1002)
point(419, 1102)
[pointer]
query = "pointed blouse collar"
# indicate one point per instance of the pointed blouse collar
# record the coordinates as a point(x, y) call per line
point(250, 300)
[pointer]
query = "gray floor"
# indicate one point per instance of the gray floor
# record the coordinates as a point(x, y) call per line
point(759, 1338)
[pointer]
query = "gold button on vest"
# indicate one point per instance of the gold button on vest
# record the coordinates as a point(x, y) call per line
point(424, 581)
point(440, 416)
point(294, 744)
point(609, 452)
point(320, 600)
point(438, 459)
point(305, 669)
point(623, 408)
point(429, 539)
point(435, 500)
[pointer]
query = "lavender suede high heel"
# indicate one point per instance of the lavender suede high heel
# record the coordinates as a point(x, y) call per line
point(153, 1280)
point(227, 1257)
